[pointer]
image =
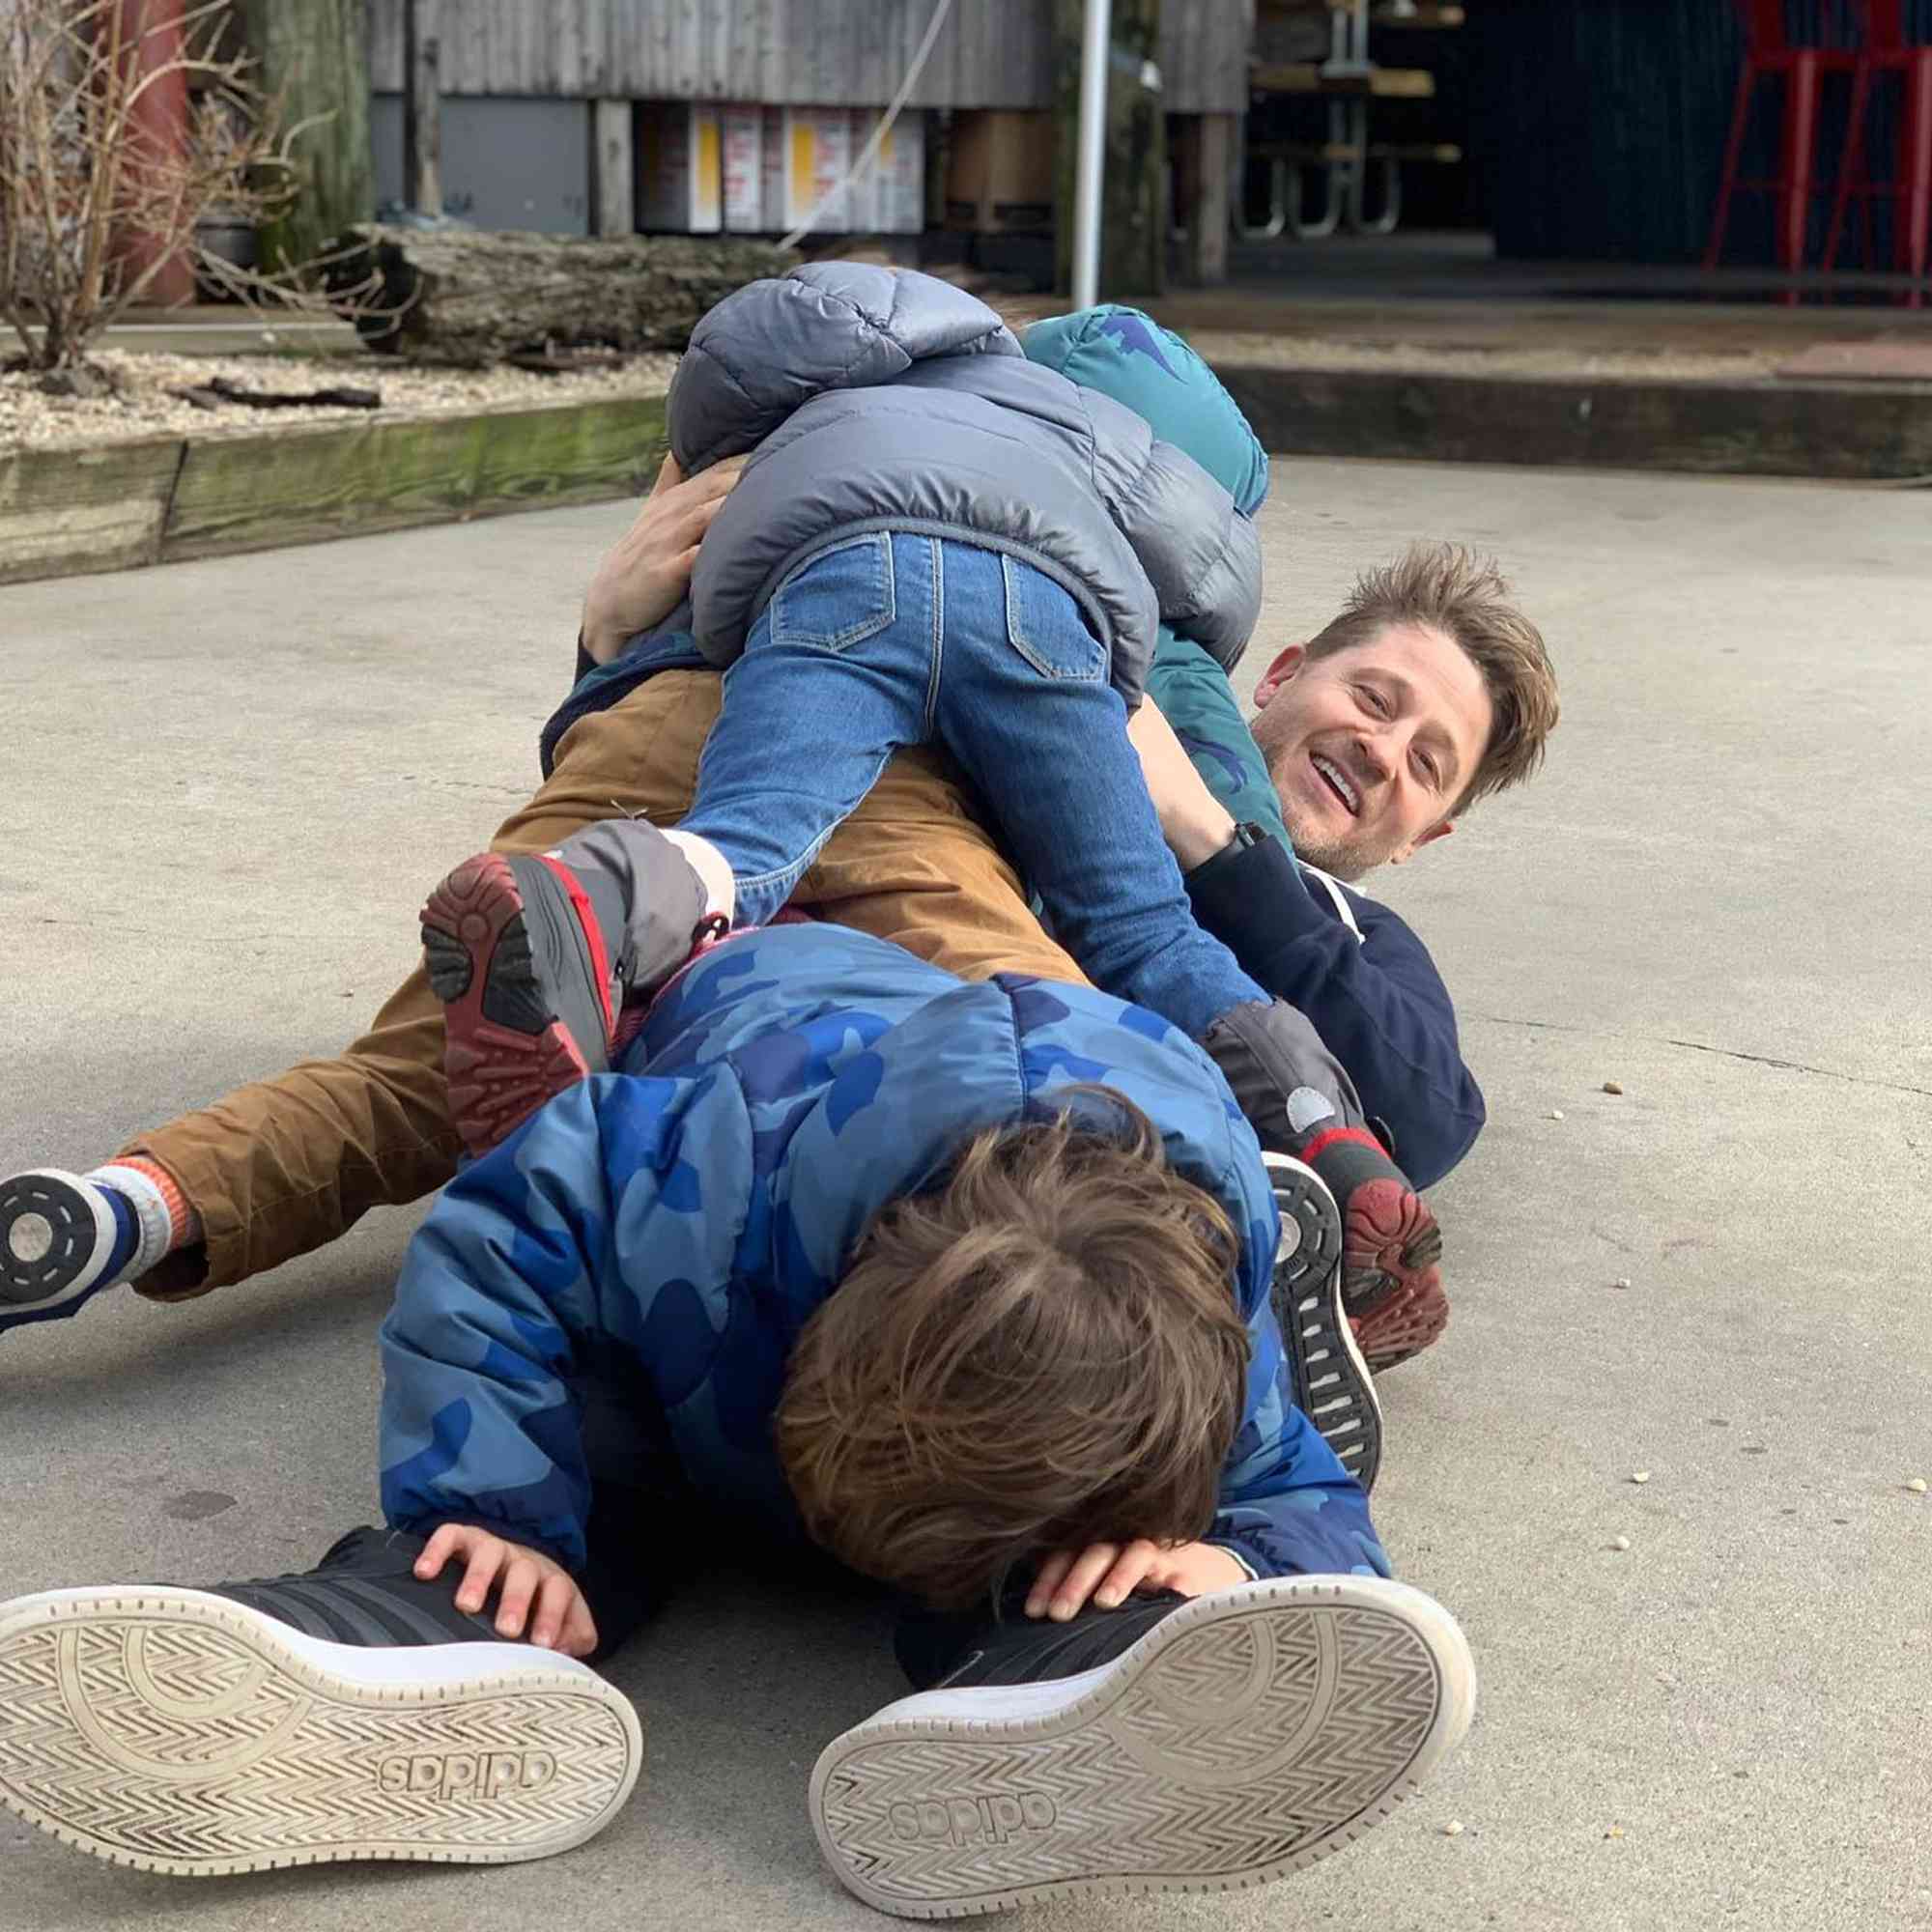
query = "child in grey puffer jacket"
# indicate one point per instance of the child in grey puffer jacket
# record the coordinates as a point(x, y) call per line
point(934, 539)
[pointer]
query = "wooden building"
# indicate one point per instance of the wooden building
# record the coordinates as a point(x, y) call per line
point(522, 83)
point(795, 53)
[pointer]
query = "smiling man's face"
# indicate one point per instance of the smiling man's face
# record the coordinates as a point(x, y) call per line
point(1371, 746)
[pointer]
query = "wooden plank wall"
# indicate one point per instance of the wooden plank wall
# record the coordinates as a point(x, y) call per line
point(796, 54)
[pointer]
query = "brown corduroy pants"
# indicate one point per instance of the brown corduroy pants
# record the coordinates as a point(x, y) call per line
point(283, 1166)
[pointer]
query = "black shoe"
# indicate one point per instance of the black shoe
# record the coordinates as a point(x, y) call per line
point(63, 1238)
point(349, 1713)
point(366, 1591)
point(942, 1650)
point(1332, 1383)
point(1243, 1736)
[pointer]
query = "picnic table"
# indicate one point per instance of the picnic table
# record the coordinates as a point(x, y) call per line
point(1349, 80)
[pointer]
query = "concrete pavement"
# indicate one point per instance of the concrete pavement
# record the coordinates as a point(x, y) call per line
point(227, 784)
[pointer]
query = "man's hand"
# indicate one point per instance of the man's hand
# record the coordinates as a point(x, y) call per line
point(647, 572)
point(563, 1620)
point(1193, 821)
point(1110, 1572)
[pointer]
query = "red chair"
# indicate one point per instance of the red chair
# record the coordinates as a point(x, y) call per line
point(1771, 54)
point(1887, 51)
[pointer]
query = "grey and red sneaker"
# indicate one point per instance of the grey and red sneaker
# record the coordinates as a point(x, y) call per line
point(517, 953)
point(349, 1713)
point(1301, 1102)
point(534, 958)
point(1390, 1247)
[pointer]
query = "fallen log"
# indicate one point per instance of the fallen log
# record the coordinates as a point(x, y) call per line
point(218, 389)
point(469, 298)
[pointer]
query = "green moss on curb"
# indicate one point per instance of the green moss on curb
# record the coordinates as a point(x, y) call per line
point(251, 493)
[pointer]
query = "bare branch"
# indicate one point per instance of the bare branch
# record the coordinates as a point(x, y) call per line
point(87, 175)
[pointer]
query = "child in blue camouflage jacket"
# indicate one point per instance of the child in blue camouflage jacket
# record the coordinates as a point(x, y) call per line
point(973, 1282)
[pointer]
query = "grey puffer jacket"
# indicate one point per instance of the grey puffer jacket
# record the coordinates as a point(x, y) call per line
point(875, 399)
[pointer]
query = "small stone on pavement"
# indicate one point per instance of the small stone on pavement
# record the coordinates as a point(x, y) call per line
point(1454, 1828)
point(1620, 1543)
point(1611, 1087)
point(1916, 1484)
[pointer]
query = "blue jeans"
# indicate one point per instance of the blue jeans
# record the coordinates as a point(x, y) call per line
point(890, 640)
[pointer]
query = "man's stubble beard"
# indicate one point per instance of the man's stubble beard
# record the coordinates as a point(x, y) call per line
point(1341, 859)
point(1340, 862)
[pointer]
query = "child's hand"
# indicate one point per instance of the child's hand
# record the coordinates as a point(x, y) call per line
point(563, 1620)
point(647, 572)
point(1108, 1572)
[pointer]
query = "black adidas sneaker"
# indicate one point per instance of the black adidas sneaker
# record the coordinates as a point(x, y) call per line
point(349, 1713)
point(1245, 1735)
point(1332, 1383)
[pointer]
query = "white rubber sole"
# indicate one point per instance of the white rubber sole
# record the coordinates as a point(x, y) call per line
point(1245, 1736)
point(178, 1732)
point(1340, 1394)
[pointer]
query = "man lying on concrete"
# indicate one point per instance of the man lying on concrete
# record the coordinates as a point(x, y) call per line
point(1426, 692)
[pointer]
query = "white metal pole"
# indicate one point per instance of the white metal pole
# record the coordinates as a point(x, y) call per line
point(1095, 56)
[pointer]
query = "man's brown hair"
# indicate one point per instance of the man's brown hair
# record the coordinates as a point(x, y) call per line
point(1044, 1351)
point(1467, 597)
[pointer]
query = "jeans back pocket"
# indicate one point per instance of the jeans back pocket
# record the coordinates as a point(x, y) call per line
point(1048, 628)
point(838, 598)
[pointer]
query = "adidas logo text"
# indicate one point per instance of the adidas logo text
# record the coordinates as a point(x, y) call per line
point(973, 1821)
point(472, 1773)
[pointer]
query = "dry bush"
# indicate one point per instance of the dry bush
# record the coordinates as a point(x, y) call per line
point(81, 173)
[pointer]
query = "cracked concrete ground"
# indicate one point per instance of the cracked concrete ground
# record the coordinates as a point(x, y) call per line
point(228, 785)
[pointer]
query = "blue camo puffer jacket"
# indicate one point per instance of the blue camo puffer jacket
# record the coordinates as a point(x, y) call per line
point(696, 1207)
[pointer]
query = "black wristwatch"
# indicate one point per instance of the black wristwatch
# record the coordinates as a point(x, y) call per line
point(1246, 836)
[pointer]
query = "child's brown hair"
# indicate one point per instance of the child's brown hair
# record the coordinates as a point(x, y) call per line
point(1043, 1352)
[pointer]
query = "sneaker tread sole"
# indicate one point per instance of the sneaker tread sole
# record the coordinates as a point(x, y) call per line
point(178, 1732)
point(1333, 1385)
point(71, 1242)
point(1246, 1736)
point(1391, 1280)
point(506, 1051)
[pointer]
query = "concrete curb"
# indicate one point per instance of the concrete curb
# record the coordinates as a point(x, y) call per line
point(1839, 431)
point(166, 498)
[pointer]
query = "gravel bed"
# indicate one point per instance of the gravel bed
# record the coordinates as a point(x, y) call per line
point(143, 406)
